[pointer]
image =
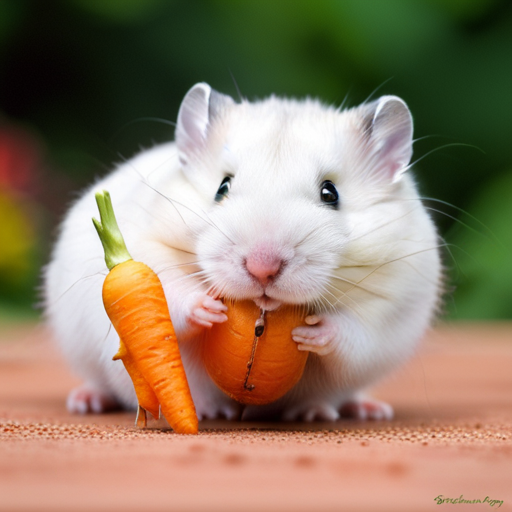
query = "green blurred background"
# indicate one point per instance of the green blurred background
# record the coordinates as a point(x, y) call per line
point(80, 80)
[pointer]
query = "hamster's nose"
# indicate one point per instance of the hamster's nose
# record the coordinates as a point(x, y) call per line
point(264, 265)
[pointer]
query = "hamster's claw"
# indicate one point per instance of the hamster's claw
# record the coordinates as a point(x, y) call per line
point(319, 336)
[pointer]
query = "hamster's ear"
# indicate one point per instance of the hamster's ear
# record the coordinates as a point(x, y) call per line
point(198, 110)
point(390, 130)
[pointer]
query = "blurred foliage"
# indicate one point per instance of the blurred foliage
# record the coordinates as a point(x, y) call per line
point(18, 243)
point(86, 76)
point(484, 257)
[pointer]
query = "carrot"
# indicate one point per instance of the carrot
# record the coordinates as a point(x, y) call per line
point(136, 305)
point(252, 357)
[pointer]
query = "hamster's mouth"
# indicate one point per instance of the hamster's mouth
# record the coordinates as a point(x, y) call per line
point(267, 303)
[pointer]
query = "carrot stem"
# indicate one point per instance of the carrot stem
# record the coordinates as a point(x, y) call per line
point(109, 232)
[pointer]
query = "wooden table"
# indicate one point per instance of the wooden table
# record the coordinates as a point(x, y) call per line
point(452, 437)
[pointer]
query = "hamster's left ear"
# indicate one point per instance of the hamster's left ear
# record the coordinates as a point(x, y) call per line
point(199, 109)
point(390, 130)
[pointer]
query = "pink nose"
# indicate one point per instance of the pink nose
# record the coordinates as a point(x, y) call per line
point(264, 265)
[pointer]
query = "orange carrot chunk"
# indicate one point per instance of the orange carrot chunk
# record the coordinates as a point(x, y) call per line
point(252, 357)
point(145, 395)
point(136, 305)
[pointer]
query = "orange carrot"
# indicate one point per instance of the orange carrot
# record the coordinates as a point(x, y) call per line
point(136, 305)
point(252, 357)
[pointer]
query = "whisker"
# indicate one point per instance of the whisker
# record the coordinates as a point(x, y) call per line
point(138, 121)
point(385, 224)
point(106, 335)
point(143, 179)
point(189, 277)
point(472, 217)
point(357, 285)
point(345, 99)
point(468, 254)
point(193, 284)
point(176, 266)
point(213, 224)
point(420, 273)
point(376, 89)
point(306, 237)
point(325, 299)
point(166, 198)
point(449, 251)
point(399, 259)
point(339, 299)
point(145, 119)
point(425, 137)
point(318, 304)
point(240, 98)
point(462, 223)
point(151, 214)
point(84, 278)
point(174, 202)
point(406, 168)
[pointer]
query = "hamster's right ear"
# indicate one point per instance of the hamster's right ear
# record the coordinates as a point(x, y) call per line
point(199, 109)
point(389, 128)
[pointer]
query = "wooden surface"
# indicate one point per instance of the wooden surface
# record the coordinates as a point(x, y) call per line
point(452, 437)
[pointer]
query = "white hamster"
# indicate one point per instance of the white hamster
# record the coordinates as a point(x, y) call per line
point(278, 201)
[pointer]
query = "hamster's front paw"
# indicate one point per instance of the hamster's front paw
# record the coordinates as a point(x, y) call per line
point(86, 399)
point(365, 408)
point(319, 336)
point(204, 310)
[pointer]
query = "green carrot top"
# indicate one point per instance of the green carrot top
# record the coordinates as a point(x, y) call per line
point(109, 232)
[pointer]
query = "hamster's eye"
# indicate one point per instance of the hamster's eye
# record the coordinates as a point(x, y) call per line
point(223, 190)
point(329, 194)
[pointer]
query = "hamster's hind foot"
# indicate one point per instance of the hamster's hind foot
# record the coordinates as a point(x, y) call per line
point(86, 399)
point(311, 412)
point(360, 408)
point(366, 409)
point(229, 412)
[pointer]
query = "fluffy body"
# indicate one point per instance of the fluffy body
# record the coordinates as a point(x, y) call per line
point(369, 268)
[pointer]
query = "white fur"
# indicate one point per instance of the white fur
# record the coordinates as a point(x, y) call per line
point(370, 269)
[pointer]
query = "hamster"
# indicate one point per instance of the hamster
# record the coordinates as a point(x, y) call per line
point(277, 201)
